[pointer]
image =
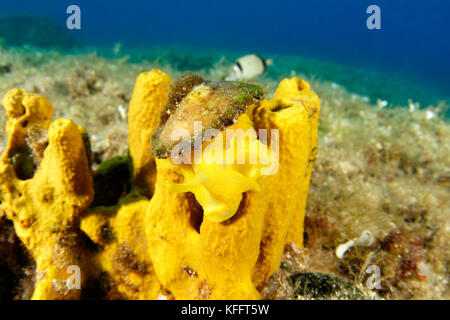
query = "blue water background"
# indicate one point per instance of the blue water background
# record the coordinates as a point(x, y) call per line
point(413, 42)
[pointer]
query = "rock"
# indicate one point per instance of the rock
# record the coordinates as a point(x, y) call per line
point(34, 31)
point(322, 286)
point(5, 68)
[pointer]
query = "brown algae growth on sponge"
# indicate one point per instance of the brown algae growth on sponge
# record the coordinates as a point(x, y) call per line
point(186, 231)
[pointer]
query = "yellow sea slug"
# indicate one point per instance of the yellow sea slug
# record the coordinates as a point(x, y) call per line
point(220, 175)
point(211, 136)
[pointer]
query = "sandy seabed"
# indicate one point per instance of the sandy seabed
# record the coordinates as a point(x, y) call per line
point(379, 168)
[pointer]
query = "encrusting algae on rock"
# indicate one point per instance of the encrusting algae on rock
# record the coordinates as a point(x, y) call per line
point(204, 229)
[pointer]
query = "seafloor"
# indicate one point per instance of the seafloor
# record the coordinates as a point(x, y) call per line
point(382, 166)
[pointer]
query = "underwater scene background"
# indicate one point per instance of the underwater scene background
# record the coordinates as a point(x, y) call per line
point(412, 45)
point(384, 136)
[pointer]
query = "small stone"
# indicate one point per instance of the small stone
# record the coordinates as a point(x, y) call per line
point(5, 68)
point(322, 286)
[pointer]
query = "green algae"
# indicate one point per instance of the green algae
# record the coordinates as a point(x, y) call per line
point(111, 181)
point(23, 164)
point(321, 286)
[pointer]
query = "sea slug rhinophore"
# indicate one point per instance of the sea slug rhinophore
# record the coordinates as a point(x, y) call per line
point(199, 230)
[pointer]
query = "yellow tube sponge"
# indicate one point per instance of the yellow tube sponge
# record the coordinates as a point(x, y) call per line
point(24, 111)
point(147, 102)
point(298, 90)
point(197, 259)
point(45, 208)
point(123, 254)
point(199, 255)
point(211, 228)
